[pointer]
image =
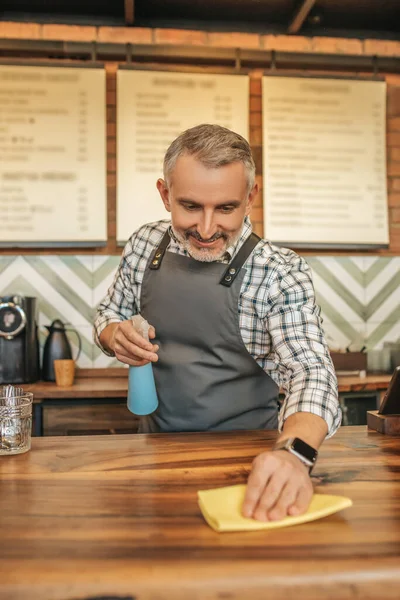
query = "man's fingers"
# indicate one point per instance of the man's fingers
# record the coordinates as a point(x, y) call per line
point(136, 338)
point(260, 473)
point(127, 331)
point(135, 353)
point(302, 501)
point(278, 485)
point(131, 361)
point(272, 494)
point(134, 347)
point(286, 499)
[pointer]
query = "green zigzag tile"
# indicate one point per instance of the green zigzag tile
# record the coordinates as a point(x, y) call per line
point(78, 268)
point(62, 288)
point(22, 286)
point(375, 269)
point(382, 329)
point(109, 266)
point(381, 296)
point(335, 317)
point(352, 269)
point(339, 288)
point(5, 262)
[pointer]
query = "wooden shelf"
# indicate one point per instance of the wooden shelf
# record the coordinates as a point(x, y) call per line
point(113, 383)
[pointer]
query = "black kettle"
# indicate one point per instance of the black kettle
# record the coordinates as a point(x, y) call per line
point(57, 347)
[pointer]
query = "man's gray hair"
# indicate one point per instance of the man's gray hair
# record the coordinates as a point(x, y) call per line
point(214, 146)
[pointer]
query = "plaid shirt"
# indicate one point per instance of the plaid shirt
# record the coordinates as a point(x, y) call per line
point(278, 317)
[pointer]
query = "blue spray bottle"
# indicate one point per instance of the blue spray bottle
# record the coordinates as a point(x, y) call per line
point(142, 394)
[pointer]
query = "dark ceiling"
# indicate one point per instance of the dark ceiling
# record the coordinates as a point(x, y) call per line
point(360, 18)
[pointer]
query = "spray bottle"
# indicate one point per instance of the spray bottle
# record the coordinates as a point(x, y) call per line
point(142, 394)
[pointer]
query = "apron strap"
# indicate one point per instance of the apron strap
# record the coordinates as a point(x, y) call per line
point(231, 271)
point(158, 254)
point(234, 267)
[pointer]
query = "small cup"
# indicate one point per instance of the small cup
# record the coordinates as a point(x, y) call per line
point(15, 423)
point(64, 370)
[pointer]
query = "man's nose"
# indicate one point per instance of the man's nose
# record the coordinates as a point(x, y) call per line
point(207, 227)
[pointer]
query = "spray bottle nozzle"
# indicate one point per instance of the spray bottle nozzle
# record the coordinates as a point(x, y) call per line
point(141, 326)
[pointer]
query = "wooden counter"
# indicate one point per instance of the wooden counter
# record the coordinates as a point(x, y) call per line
point(89, 383)
point(117, 517)
point(370, 383)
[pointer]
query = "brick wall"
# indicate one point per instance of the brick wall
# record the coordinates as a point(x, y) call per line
point(320, 45)
point(140, 35)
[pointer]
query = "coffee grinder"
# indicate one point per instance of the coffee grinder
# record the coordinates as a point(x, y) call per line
point(19, 344)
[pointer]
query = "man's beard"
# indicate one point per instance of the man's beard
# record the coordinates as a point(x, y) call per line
point(204, 254)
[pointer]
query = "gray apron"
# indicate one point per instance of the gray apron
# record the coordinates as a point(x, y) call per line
point(206, 379)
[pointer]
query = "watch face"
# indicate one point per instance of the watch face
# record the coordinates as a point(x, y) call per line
point(304, 449)
point(12, 319)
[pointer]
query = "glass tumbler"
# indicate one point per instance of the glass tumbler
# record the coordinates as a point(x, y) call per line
point(15, 423)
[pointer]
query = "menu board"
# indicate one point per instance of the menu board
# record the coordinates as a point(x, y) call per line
point(52, 156)
point(153, 108)
point(324, 159)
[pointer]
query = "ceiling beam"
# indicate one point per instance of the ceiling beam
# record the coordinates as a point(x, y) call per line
point(129, 11)
point(300, 16)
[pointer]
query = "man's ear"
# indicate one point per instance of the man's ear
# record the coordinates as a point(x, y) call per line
point(250, 199)
point(164, 193)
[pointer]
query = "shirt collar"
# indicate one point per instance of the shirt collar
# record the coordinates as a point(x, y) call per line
point(232, 250)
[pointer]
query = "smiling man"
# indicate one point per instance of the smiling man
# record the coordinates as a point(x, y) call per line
point(233, 319)
point(207, 205)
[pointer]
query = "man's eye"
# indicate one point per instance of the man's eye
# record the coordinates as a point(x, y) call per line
point(191, 207)
point(227, 209)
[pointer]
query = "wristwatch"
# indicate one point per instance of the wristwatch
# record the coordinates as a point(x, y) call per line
point(304, 452)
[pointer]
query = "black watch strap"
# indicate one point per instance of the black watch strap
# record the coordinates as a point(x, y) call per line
point(304, 452)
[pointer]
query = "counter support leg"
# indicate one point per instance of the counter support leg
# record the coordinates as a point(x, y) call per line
point(38, 413)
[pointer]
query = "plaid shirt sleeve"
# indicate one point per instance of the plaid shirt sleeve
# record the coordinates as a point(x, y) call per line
point(122, 300)
point(119, 303)
point(306, 372)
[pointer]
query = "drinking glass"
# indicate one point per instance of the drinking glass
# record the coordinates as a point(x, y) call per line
point(15, 423)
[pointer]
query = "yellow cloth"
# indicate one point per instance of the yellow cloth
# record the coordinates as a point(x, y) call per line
point(222, 507)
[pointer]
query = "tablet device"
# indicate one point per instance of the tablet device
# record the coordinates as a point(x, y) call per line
point(390, 404)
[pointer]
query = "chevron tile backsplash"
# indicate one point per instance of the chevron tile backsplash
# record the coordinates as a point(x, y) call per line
point(359, 297)
point(360, 302)
point(66, 287)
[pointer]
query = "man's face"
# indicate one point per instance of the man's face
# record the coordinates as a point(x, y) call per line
point(207, 205)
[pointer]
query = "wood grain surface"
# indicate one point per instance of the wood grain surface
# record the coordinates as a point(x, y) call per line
point(117, 517)
point(86, 387)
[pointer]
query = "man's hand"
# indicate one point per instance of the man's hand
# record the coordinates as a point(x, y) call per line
point(128, 345)
point(279, 485)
